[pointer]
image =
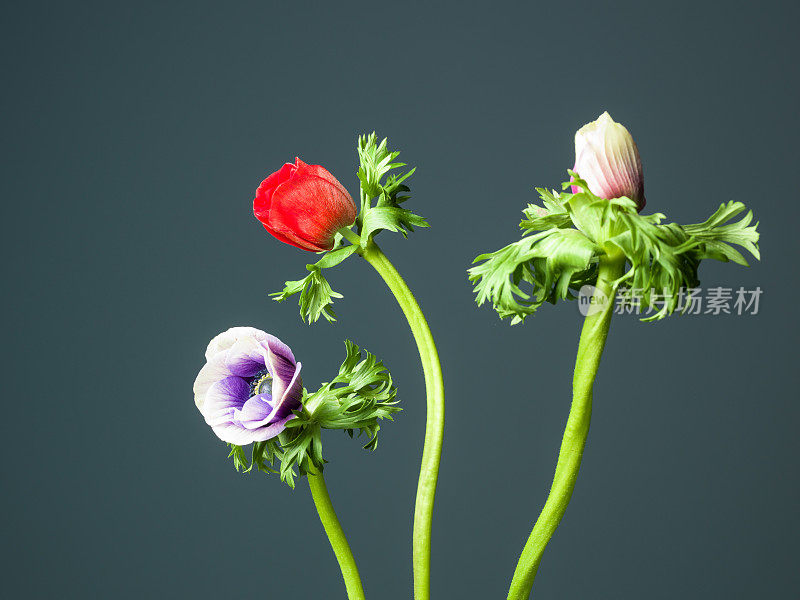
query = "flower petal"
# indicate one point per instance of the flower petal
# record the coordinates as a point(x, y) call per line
point(228, 338)
point(291, 399)
point(246, 357)
point(281, 365)
point(310, 210)
point(607, 158)
point(279, 349)
point(323, 173)
point(212, 372)
point(223, 398)
point(263, 198)
point(272, 430)
point(282, 238)
point(255, 413)
point(234, 433)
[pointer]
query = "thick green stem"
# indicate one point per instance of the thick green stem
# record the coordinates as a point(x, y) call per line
point(322, 500)
point(434, 428)
point(590, 349)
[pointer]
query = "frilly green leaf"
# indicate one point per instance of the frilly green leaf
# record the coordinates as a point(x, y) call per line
point(361, 395)
point(564, 239)
point(316, 294)
point(552, 263)
point(377, 181)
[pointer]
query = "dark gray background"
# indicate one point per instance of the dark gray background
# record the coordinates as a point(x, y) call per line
point(134, 136)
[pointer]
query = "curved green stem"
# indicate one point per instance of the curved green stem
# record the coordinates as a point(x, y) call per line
point(434, 426)
point(590, 349)
point(322, 500)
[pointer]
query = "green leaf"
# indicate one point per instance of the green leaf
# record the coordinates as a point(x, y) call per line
point(665, 259)
point(389, 190)
point(551, 214)
point(360, 396)
point(316, 294)
point(552, 263)
point(335, 257)
point(263, 455)
point(716, 235)
point(240, 462)
point(375, 161)
point(564, 239)
point(391, 218)
point(300, 447)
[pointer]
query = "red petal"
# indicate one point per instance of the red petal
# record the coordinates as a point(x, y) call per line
point(310, 209)
point(279, 176)
point(322, 173)
point(263, 198)
point(297, 244)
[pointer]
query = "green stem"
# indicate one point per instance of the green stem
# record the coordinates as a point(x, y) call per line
point(322, 500)
point(434, 426)
point(590, 349)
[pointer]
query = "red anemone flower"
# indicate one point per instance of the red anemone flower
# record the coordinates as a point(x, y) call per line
point(304, 205)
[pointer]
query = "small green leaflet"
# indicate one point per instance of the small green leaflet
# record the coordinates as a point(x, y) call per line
point(377, 181)
point(316, 294)
point(263, 455)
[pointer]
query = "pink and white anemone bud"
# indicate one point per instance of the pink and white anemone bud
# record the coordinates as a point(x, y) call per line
point(607, 158)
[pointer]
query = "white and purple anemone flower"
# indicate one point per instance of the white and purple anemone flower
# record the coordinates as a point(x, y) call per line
point(249, 386)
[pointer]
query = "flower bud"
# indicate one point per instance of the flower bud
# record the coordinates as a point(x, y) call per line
point(304, 205)
point(607, 158)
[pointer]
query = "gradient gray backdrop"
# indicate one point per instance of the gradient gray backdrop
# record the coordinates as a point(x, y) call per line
point(134, 136)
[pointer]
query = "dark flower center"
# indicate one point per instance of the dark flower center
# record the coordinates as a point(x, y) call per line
point(260, 383)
